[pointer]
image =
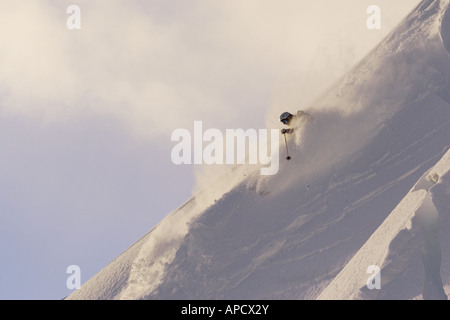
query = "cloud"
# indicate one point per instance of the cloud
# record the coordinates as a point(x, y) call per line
point(33, 68)
point(120, 63)
point(159, 66)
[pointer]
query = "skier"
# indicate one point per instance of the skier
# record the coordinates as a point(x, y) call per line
point(292, 121)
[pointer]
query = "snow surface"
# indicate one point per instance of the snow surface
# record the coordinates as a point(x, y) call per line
point(368, 184)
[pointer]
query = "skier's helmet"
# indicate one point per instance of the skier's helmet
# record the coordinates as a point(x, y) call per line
point(286, 117)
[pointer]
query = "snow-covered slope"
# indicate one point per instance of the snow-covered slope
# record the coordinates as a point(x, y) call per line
point(355, 194)
point(407, 247)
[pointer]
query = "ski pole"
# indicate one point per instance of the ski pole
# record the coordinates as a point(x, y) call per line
point(287, 150)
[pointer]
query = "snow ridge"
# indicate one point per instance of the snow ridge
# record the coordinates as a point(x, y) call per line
point(410, 231)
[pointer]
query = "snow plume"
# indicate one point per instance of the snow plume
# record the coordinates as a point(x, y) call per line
point(255, 154)
point(158, 250)
point(160, 246)
point(358, 106)
point(212, 182)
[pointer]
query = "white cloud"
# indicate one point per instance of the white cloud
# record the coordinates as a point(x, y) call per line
point(158, 65)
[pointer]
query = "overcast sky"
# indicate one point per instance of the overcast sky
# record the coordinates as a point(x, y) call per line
point(86, 115)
